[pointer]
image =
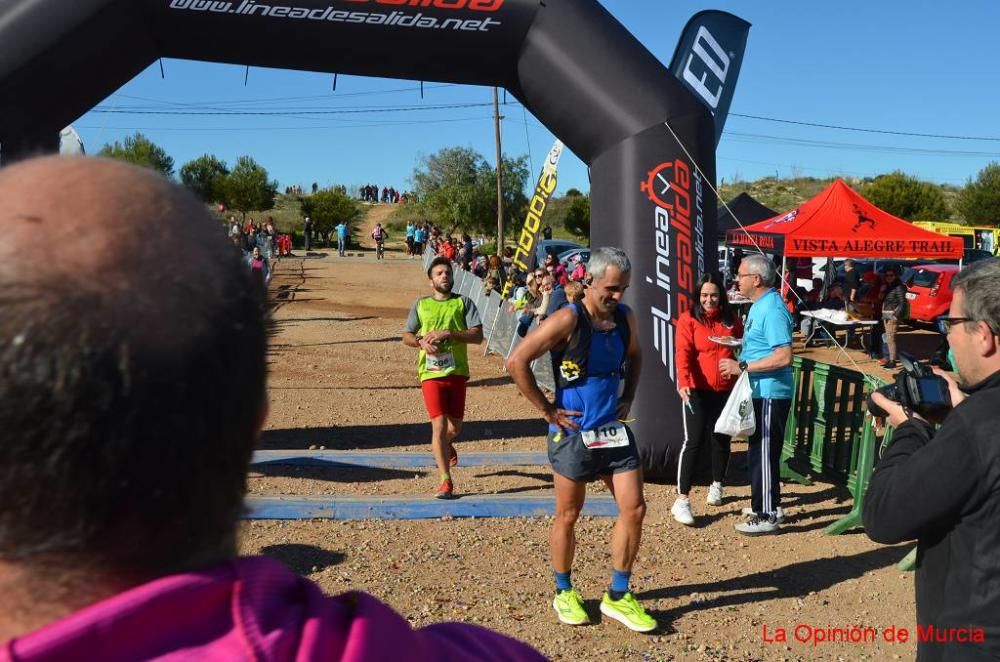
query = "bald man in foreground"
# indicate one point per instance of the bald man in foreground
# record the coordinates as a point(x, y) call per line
point(132, 390)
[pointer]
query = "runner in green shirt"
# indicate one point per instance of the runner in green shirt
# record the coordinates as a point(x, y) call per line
point(440, 326)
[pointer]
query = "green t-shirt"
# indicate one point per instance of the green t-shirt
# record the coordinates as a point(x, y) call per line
point(456, 313)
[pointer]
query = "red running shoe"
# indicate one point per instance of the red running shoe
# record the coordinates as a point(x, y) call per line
point(446, 490)
point(453, 460)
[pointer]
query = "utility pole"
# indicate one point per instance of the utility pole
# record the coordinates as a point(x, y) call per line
point(496, 118)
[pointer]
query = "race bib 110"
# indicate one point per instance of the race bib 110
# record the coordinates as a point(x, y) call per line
point(609, 435)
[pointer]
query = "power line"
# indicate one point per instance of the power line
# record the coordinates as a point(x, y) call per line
point(369, 124)
point(332, 96)
point(294, 113)
point(307, 113)
point(860, 130)
point(761, 138)
point(190, 109)
point(827, 144)
point(736, 136)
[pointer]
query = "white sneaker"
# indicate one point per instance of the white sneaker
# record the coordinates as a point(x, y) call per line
point(758, 526)
point(681, 510)
point(714, 494)
point(779, 514)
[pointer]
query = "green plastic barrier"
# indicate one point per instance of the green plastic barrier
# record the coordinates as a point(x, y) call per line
point(909, 561)
point(828, 432)
point(858, 485)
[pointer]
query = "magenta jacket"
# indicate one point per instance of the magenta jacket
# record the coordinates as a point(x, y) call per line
point(251, 609)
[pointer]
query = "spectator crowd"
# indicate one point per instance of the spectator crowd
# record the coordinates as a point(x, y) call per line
point(389, 195)
point(260, 244)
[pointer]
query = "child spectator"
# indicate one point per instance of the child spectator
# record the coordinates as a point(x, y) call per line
point(574, 291)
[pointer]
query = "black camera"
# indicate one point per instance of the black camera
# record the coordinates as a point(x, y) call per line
point(916, 387)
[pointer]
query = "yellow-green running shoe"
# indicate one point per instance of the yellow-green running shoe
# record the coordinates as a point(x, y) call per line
point(569, 607)
point(628, 612)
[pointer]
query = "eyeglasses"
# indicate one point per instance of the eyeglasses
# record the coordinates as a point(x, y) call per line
point(744, 275)
point(945, 323)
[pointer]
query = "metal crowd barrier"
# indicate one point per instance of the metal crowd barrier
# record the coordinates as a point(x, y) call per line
point(499, 322)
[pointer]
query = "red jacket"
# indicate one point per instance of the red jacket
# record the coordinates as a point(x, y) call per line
point(697, 357)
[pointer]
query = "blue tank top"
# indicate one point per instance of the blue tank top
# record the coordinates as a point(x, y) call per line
point(597, 396)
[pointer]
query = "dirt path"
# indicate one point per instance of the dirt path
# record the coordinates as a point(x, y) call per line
point(376, 214)
point(340, 378)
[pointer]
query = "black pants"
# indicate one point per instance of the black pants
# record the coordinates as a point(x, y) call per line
point(764, 454)
point(699, 423)
point(875, 349)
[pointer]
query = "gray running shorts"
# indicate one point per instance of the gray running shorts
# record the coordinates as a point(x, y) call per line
point(570, 458)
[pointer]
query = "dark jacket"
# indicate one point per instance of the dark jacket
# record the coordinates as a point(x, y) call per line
point(852, 283)
point(943, 488)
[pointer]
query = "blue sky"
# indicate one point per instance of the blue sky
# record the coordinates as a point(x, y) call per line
point(912, 67)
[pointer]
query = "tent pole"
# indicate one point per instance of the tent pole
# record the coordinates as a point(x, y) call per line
point(784, 281)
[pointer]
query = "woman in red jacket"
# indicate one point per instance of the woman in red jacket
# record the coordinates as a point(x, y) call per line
point(701, 387)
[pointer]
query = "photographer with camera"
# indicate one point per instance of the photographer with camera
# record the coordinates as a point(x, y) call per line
point(942, 486)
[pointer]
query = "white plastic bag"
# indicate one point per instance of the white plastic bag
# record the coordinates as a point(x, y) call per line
point(737, 419)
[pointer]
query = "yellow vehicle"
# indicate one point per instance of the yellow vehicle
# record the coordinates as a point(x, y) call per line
point(977, 237)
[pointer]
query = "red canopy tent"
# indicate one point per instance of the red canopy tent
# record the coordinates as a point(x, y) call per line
point(838, 222)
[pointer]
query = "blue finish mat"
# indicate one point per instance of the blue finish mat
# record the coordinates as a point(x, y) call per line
point(408, 507)
point(394, 460)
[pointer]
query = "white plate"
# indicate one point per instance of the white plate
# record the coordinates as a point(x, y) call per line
point(728, 341)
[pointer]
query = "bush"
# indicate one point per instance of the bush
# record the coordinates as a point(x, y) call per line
point(404, 214)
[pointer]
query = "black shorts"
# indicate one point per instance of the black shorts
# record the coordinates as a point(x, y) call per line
point(570, 458)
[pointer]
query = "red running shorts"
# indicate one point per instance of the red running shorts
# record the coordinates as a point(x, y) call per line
point(445, 396)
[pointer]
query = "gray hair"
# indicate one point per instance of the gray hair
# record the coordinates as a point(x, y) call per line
point(602, 258)
point(760, 265)
point(980, 283)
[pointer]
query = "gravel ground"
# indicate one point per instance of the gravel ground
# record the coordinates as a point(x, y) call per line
point(341, 379)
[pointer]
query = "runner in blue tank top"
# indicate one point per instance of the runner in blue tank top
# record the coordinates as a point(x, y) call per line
point(597, 396)
point(594, 348)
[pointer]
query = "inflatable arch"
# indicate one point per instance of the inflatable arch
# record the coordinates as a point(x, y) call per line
point(648, 133)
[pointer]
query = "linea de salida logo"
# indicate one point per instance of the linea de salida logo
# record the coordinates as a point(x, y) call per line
point(669, 187)
point(250, 7)
point(473, 5)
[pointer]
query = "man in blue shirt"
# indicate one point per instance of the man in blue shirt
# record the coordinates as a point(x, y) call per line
point(410, 230)
point(342, 233)
point(767, 357)
point(419, 235)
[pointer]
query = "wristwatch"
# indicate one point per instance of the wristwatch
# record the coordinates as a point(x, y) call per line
point(743, 366)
